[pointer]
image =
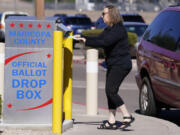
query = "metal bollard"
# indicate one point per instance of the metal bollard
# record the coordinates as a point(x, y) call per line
point(67, 98)
point(57, 82)
point(2, 55)
point(92, 82)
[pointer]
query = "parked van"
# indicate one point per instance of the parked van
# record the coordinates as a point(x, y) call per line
point(158, 61)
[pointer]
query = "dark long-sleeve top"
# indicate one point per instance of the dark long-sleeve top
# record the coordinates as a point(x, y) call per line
point(114, 41)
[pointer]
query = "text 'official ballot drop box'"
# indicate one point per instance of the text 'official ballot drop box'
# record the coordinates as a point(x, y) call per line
point(28, 71)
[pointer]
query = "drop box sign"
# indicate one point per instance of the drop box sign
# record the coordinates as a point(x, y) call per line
point(28, 71)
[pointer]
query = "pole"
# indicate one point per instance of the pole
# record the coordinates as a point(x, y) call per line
point(92, 81)
point(57, 82)
point(67, 99)
point(2, 48)
point(39, 9)
point(15, 6)
point(55, 4)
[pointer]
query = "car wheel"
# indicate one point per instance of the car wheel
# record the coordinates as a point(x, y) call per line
point(147, 102)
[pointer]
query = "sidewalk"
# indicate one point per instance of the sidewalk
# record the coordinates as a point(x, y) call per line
point(143, 125)
point(87, 125)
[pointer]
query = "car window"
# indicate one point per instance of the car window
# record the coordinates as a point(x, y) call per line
point(131, 18)
point(77, 21)
point(99, 24)
point(138, 29)
point(178, 45)
point(14, 15)
point(155, 27)
point(162, 33)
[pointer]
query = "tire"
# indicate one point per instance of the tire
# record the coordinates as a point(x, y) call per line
point(147, 102)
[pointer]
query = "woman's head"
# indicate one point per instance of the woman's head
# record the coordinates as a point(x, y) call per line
point(111, 15)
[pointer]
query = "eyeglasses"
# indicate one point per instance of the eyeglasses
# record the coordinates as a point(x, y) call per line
point(103, 14)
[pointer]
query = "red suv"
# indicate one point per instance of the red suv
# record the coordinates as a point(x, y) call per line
point(158, 60)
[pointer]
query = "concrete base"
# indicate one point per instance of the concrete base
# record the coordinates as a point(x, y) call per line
point(66, 125)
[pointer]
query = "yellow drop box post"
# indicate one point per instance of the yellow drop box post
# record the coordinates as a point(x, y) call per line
point(62, 81)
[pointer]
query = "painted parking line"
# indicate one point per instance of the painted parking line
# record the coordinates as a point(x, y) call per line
point(101, 85)
point(80, 60)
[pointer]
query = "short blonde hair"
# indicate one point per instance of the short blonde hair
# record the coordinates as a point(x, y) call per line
point(114, 14)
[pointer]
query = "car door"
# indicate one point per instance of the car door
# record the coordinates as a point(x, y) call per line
point(162, 37)
point(163, 71)
point(175, 74)
point(172, 58)
point(168, 64)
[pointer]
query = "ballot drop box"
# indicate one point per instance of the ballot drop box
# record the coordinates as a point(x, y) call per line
point(28, 71)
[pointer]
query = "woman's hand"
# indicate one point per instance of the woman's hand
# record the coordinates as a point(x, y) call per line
point(79, 38)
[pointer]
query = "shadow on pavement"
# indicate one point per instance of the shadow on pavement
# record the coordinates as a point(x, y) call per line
point(170, 115)
point(88, 123)
point(98, 123)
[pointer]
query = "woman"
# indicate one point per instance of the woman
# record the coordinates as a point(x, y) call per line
point(114, 41)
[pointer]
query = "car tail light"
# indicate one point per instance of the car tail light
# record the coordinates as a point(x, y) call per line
point(173, 66)
point(1, 26)
point(167, 64)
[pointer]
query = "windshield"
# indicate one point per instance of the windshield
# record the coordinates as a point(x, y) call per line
point(78, 21)
point(138, 29)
